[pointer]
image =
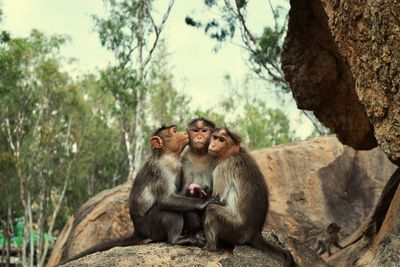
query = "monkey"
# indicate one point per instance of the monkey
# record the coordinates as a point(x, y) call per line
point(197, 191)
point(197, 167)
point(324, 242)
point(239, 204)
point(155, 207)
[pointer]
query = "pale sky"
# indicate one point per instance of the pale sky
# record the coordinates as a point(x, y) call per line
point(197, 71)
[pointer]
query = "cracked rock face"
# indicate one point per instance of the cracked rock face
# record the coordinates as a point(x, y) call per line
point(342, 60)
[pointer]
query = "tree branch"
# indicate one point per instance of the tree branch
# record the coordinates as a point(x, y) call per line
point(157, 30)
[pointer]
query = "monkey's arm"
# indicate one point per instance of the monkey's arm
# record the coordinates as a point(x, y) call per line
point(177, 202)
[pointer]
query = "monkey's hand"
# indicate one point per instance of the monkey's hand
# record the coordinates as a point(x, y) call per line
point(207, 190)
point(215, 200)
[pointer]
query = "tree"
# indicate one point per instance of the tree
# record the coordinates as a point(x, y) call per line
point(263, 50)
point(259, 125)
point(165, 104)
point(127, 32)
point(10, 206)
point(39, 141)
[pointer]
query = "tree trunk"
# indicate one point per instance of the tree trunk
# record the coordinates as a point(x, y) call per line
point(41, 216)
point(140, 95)
point(138, 134)
point(54, 215)
point(31, 232)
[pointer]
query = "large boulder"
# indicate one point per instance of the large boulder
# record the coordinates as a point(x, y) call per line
point(311, 184)
point(342, 61)
point(103, 217)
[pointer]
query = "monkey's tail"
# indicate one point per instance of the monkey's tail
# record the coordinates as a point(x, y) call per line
point(260, 243)
point(133, 239)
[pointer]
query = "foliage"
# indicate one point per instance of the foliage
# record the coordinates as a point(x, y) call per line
point(63, 140)
point(165, 105)
point(35, 124)
point(259, 125)
point(57, 135)
point(264, 50)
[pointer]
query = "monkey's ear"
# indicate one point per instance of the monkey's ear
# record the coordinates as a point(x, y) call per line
point(156, 142)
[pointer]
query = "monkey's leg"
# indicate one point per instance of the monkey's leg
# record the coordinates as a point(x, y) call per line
point(223, 216)
point(219, 224)
point(173, 225)
point(329, 248)
point(210, 231)
point(193, 221)
point(322, 248)
point(193, 226)
point(219, 221)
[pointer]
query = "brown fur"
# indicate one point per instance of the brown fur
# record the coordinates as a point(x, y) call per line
point(154, 205)
point(197, 166)
point(330, 238)
point(241, 187)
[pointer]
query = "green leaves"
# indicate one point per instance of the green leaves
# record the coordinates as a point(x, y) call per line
point(242, 111)
point(263, 50)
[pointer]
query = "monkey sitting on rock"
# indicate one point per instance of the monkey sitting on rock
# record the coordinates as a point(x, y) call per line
point(239, 205)
point(330, 238)
point(197, 167)
point(155, 207)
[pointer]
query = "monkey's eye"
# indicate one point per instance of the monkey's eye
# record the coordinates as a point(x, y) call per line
point(221, 139)
point(195, 130)
point(214, 137)
point(204, 130)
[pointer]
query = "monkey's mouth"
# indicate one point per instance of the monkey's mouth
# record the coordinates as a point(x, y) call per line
point(212, 152)
point(199, 144)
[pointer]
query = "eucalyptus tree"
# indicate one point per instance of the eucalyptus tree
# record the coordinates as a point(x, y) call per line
point(37, 124)
point(131, 32)
point(248, 114)
point(230, 18)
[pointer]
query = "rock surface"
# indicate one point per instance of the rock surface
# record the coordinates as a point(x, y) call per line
point(311, 184)
point(162, 254)
point(342, 60)
point(377, 241)
point(103, 217)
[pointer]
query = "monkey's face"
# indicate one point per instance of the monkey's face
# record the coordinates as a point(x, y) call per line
point(170, 140)
point(221, 145)
point(199, 135)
